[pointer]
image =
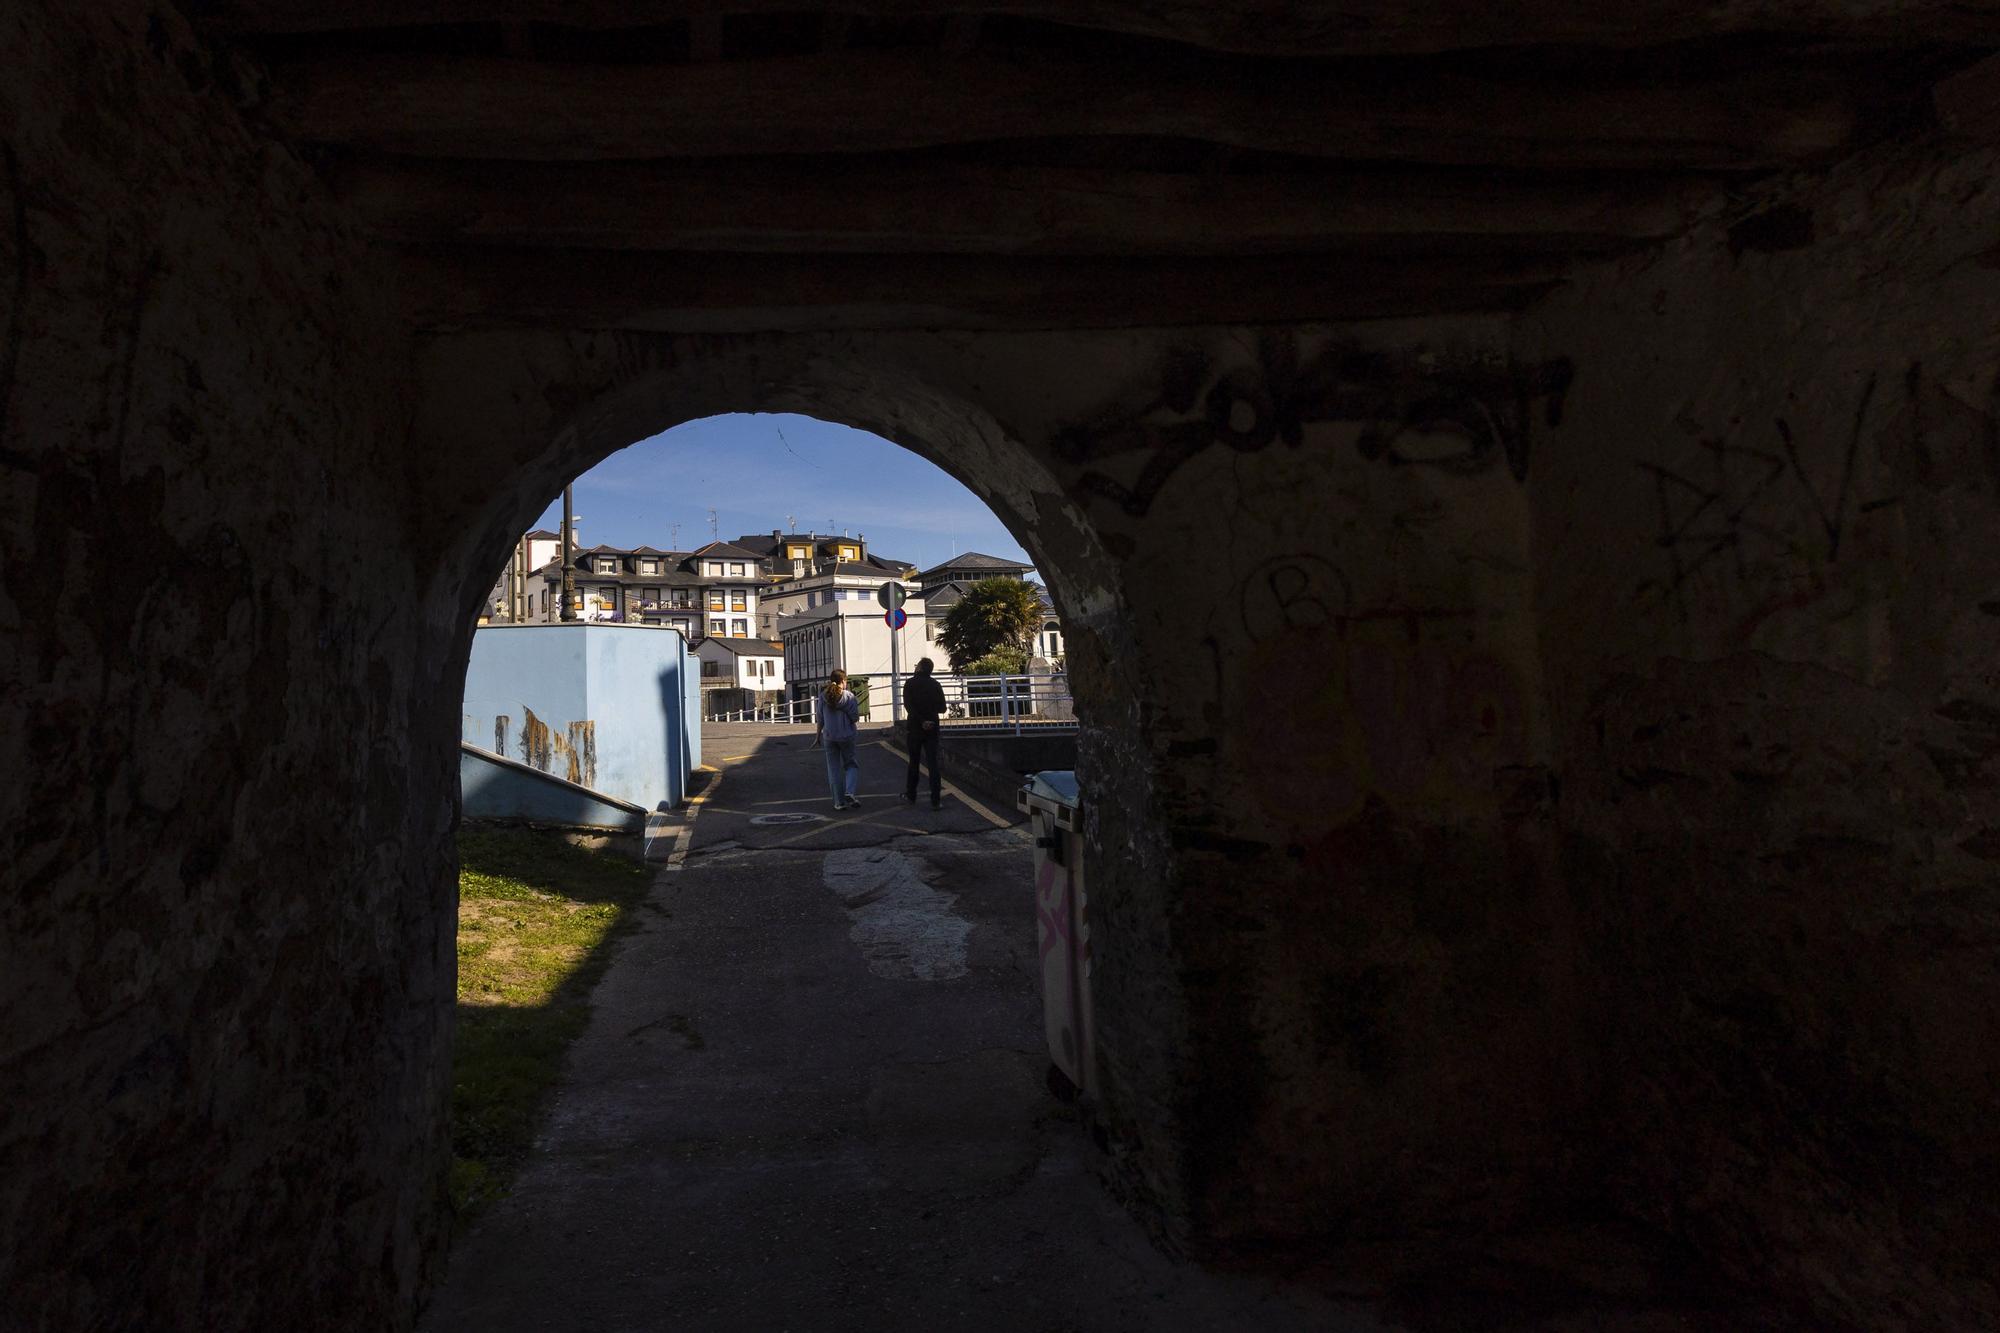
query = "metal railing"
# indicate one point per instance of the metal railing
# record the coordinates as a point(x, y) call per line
point(795, 710)
point(1018, 703)
point(1008, 703)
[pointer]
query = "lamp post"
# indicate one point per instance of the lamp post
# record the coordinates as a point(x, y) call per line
point(569, 561)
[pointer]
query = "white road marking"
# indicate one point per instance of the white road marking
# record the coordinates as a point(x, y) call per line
point(904, 927)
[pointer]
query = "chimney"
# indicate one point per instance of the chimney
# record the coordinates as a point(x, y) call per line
point(775, 534)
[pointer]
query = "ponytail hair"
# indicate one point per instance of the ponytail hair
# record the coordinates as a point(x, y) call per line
point(835, 683)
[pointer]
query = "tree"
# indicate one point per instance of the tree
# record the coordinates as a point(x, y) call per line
point(999, 662)
point(994, 614)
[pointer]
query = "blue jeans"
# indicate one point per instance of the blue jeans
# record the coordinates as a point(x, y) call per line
point(843, 770)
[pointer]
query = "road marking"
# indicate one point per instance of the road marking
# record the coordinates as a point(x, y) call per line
point(991, 818)
point(732, 758)
point(678, 856)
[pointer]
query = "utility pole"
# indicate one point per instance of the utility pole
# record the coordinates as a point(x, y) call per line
point(569, 560)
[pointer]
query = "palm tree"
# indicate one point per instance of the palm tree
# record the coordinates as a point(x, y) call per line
point(995, 616)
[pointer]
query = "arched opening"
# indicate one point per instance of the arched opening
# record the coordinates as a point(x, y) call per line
point(967, 442)
point(1513, 806)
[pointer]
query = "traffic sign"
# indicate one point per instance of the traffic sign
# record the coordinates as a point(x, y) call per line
point(897, 618)
point(891, 595)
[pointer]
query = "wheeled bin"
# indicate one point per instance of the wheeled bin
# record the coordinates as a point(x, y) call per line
point(1062, 926)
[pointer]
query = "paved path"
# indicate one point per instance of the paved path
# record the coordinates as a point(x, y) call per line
point(811, 1098)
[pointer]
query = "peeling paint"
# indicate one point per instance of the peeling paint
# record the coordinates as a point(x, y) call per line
point(583, 753)
point(536, 742)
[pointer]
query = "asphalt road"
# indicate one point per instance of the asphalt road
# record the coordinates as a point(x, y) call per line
point(811, 1097)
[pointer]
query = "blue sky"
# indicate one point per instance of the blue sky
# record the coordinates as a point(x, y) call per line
point(755, 469)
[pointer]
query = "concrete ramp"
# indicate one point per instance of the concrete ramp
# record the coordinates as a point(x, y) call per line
point(493, 786)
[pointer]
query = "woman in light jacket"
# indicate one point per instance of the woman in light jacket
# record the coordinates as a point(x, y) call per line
point(839, 711)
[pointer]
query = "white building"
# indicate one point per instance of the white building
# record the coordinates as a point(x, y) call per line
point(514, 593)
point(945, 585)
point(753, 665)
point(845, 629)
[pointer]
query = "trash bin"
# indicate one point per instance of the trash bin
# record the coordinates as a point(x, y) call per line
point(1062, 926)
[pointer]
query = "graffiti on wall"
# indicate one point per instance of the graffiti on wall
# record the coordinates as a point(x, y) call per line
point(1453, 412)
point(1329, 705)
point(1762, 521)
point(1746, 495)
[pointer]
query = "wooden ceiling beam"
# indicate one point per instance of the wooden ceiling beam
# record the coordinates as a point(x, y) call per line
point(774, 205)
point(461, 288)
point(1255, 27)
point(886, 101)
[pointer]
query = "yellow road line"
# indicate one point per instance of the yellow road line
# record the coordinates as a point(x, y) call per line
point(991, 818)
point(678, 855)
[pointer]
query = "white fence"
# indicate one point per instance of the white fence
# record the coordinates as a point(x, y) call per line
point(1026, 702)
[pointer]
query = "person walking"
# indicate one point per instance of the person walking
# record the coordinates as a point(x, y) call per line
point(839, 711)
point(923, 705)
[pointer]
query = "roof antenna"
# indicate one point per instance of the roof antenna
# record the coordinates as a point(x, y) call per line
point(791, 524)
point(711, 525)
point(674, 535)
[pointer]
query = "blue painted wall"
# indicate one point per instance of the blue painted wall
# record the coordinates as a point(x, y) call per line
point(492, 786)
point(612, 707)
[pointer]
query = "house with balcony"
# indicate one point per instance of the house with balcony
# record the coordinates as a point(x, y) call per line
point(711, 592)
point(740, 673)
point(945, 585)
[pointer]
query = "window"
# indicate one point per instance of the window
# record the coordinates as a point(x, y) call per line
point(848, 553)
point(545, 601)
point(649, 566)
point(799, 553)
point(709, 668)
point(927, 631)
point(736, 602)
point(715, 601)
point(680, 596)
point(736, 568)
point(607, 565)
point(715, 627)
point(649, 595)
point(740, 628)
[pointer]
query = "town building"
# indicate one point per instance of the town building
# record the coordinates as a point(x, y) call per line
point(740, 673)
point(513, 591)
point(729, 598)
point(848, 632)
point(713, 591)
point(946, 584)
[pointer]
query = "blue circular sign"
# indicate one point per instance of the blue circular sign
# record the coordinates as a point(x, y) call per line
point(897, 619)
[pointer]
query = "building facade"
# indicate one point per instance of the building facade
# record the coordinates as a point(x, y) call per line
point(945, 585)
point(742, 673)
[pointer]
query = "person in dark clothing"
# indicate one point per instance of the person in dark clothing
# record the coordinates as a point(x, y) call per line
point(923, 705)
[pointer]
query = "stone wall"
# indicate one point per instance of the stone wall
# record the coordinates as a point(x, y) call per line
point(1539, 760)
point(1324, 537)
point(225, 946)
point(1766, 565)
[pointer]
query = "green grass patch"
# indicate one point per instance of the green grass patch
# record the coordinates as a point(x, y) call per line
point(536, 917)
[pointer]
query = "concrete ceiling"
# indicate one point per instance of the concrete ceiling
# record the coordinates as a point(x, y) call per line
point(1057, 163)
